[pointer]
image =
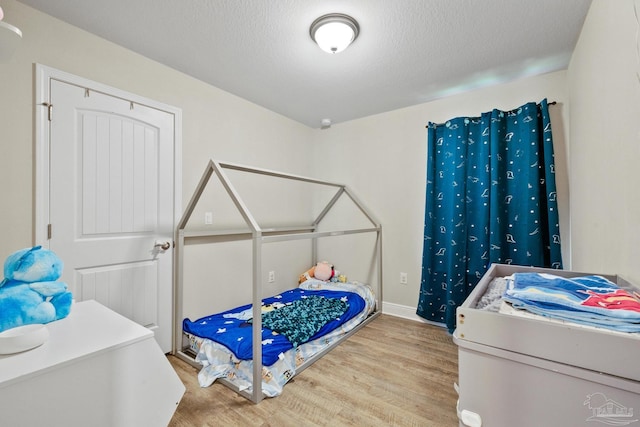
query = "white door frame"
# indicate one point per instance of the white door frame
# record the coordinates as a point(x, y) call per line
point(43, 75)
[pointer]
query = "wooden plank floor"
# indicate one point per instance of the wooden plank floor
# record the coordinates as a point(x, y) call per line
point(393, 372)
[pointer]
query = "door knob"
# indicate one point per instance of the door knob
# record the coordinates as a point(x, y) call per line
point(162, 245)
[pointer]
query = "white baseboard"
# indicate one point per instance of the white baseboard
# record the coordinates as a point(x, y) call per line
point(406, 312)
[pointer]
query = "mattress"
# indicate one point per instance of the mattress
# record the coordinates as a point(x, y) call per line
point(281, 359)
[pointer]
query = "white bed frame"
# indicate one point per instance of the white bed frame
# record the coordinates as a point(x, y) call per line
point(261, 236)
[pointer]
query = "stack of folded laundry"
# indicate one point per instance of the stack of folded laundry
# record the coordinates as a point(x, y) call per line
point(587, 300)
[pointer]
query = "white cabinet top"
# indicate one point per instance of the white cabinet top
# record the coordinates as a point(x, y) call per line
point(90, 329)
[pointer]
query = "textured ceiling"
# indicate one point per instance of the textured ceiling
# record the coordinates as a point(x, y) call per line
point(408, 52)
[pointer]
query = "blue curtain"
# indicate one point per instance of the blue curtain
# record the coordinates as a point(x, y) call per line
point(491, 198)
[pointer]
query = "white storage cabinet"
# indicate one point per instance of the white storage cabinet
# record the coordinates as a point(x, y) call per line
point(532, 372)
point(97, 368)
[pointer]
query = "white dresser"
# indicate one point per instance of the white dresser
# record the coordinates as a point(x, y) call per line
point(97, 368)
point(526, 370)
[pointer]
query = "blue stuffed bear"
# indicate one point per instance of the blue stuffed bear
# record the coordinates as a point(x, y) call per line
point(30, 292)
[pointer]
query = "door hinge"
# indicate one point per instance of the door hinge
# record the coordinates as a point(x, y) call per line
point(49, 110)
point(48, 231)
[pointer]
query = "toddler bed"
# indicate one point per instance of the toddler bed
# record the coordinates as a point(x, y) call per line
point(337, 309)
point(298, 325)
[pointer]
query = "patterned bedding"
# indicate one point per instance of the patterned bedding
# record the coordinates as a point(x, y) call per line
point(222, 342)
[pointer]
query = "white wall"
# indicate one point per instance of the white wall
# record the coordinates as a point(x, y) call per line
point(215, 123)
point(383, 158)
point(604, 87)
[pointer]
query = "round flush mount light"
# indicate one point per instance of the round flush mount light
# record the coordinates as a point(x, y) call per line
point(334, 32)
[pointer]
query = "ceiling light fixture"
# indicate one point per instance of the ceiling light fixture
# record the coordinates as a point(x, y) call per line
point(334, 32)
point(10, 36)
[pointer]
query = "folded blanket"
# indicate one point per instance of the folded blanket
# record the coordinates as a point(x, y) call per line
point(301, 319)
point(591, 300)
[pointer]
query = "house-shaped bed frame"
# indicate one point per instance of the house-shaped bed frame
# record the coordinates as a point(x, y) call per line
point(261, 236)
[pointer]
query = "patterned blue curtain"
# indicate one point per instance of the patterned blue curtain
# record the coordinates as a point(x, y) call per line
point(491, 198)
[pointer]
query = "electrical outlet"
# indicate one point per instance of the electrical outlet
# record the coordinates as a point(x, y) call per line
point(403, 278)
point(208, 218)
point(272, 276)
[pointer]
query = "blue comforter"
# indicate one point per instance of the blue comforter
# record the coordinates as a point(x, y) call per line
point(232, 328)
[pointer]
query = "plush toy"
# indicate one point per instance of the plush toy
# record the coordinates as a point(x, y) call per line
point(30, 292)
point(321, 271)
point(307, 275)
point(324, 271)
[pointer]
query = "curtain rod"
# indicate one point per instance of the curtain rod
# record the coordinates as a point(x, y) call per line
point(548, 103)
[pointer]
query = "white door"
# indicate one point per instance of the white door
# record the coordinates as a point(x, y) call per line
point(111, 202)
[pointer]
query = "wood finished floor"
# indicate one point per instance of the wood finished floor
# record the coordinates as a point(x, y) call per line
point(393, 372)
